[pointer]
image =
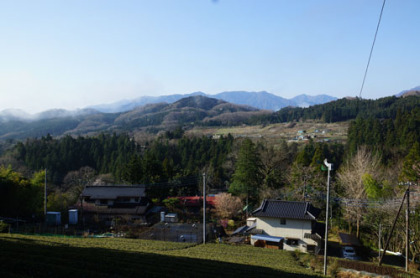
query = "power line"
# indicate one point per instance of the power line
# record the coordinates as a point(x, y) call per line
point(181, 182)
point(352, 202)
point(371, 50)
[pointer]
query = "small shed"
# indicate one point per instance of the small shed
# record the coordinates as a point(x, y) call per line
point(267, 241)
point(53, 218)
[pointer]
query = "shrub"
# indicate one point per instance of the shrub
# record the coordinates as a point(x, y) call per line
point(4, 227)
point(333, 269)
point(317, 263)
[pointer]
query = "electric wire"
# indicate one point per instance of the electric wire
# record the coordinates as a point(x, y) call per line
point(181, 182)
point(371, 49)
point(353, 202)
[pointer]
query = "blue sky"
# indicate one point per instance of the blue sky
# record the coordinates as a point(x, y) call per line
point(72, 54)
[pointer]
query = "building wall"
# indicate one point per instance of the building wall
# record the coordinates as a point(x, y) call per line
point(292, 229)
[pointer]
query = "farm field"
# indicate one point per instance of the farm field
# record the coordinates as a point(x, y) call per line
point(274, 133)
point(46, 256)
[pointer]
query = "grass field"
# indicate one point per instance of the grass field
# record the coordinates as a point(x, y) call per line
point(42, 256)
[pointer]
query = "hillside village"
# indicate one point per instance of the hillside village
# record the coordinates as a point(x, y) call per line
point(264, 184)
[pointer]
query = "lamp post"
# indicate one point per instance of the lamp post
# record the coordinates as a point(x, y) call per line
point(326, 216)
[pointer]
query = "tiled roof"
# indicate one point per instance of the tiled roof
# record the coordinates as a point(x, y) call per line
point(287, 209)
point(113, 192)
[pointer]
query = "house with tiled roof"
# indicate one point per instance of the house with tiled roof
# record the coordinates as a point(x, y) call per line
point(288, 225)
point(108, 203)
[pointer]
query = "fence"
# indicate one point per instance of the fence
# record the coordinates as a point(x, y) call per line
point(372, 268)
point(179, 232)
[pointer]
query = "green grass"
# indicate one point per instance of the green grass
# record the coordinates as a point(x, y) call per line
point(46, 256)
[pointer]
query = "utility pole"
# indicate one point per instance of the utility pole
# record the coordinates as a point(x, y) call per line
point(204, 208)
point(379, 241)
point(407, 228)
point(326, 216)
point(45, 194)
point(392, 230)
point(247, 194)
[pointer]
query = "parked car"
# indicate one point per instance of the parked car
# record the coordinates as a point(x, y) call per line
point(349, 253)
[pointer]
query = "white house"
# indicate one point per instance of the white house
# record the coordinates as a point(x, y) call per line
point(288, 225)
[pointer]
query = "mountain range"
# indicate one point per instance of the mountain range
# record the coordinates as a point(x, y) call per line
point(186, 112)
point(161, 113)
point(261, 100)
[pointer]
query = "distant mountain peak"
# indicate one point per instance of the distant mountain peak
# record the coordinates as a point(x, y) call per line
point(260, 100)
point(412, 91)
point(197, 101)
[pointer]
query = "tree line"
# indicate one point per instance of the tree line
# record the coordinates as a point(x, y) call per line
point(346, 109)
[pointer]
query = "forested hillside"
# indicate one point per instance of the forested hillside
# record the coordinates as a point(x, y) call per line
point(200, 111)
point(348, 109)
point(389, 136)
point(119, 155)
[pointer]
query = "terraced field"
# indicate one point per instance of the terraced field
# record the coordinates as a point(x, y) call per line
point(41, 256)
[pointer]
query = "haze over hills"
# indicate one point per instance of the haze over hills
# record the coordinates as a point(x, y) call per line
point(184, 112)
point(20, 115)
point(261, 100)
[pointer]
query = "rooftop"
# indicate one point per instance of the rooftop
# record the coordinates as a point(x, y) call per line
point(287, 209)
point(113, 192)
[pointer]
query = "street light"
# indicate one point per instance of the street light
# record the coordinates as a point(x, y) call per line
point(326, 215)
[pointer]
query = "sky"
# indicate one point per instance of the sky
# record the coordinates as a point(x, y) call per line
point(72, 54)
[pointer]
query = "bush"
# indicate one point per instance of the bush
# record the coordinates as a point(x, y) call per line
point(305, 259)
point(333, 269)
point(317, 263)
point(4, 227)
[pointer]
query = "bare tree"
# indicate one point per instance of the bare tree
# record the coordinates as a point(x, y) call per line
point(350, 177)
point(227, 205)
point(76, 181)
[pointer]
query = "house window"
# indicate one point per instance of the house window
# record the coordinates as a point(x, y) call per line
point(292, 241)
point(310, 248)
point(282, 221)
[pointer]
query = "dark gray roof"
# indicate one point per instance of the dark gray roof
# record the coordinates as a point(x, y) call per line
point(244, 229)
point(287, 209)
point(113, 192)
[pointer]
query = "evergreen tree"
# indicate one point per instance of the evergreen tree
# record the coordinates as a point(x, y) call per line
point(247, 177)
point(133, 171)
point(411, 165)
